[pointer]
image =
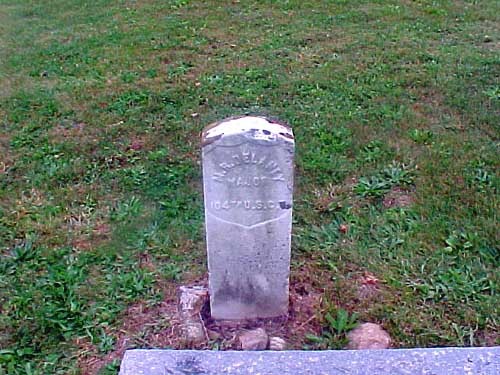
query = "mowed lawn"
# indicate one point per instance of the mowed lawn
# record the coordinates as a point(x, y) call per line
point(395, 106)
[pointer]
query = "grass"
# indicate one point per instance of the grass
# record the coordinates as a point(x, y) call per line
point(101, 107)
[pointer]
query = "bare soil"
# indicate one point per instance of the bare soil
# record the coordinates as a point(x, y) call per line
point(159, 326)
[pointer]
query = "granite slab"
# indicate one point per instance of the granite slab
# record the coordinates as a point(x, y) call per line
point(435, 361)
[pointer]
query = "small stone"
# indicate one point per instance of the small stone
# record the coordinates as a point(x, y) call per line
point(277, 343)
point(192, 299)
point(487, 39)
point(193, 332)
point(191, 302)
point(368, 336)
point(256, 339)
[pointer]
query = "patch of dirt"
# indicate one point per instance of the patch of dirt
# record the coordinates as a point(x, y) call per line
point(368, 286)
point(81, 244)
point(142, 327)
point(68, 130)
point(83, 233)
point(491, 337)
point(398, 198)
point(303, 313)
point(336, 196)
point(432, 112)
point(159, 326)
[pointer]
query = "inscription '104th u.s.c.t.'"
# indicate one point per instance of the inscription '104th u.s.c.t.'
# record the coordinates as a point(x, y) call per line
point(248, 185)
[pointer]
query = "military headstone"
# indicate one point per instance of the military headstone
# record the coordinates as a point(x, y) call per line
point(248, 185)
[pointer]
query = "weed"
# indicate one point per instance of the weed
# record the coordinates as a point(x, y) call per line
point(24, 251)
point(493, 93)
point(126, 210)
point(171, 271)
point(111, 368)
point(338, 323)
point(457, 284)
point(459, 281)
point(373, 186)
point(129, 101)
point(373, 152)
point(129, 77)
point(179, 70)
point(465, 335)
point(134, 177)
point(480, 177)
point(105, 343)
point(396, 174)
point(423, 137)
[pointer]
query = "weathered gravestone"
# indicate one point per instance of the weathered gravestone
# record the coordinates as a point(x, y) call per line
point(248, 183)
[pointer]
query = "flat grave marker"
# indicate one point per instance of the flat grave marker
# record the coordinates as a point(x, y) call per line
point(435, 361)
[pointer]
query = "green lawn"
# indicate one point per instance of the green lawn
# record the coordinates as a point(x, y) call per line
point(395, 107)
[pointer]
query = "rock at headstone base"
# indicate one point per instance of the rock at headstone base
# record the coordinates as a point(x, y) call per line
point(192, 299)
point(193, 333)
point(256, 339)
point(277, 343)
point(368, 336)
point(191, 302)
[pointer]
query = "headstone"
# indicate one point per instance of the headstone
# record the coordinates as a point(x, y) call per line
point(248, 184)
point(438, 361)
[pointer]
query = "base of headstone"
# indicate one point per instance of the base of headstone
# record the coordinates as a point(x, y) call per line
point(436, 361)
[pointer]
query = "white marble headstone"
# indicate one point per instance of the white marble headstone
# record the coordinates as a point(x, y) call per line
point(248, 185)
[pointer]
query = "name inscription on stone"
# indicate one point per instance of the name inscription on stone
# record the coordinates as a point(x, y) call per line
point(269, 169)
point(252, 183)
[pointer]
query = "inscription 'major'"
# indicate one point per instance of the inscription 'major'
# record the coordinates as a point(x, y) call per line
point(269, 168)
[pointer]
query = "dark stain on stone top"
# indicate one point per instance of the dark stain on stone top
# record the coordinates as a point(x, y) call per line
point(287, 135)
point(206, 141)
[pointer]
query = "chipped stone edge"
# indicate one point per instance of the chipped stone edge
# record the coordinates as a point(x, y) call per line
point(217, 130)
